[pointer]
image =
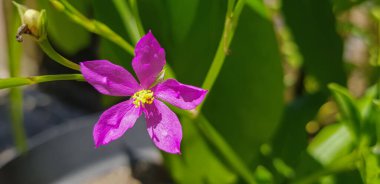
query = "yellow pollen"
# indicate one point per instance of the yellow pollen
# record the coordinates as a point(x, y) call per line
point(143, 97)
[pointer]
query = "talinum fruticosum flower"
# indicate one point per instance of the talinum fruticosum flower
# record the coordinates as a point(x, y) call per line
point(162, 124)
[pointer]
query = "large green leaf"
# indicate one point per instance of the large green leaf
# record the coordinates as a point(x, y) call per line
point(291, 138)
point(190, 34)
point(371, 164)
point(181, 24)
point(65, 34)
point(312, 23)
point(190, 51)
point(199, 163)
point(246, 102)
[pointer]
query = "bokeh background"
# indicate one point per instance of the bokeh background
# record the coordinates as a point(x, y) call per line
point(271, 102)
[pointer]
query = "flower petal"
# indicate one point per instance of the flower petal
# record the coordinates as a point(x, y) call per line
point(180, 95)
point(108, 78)
point(114, 122)
point(149, 60)
point(163, 127)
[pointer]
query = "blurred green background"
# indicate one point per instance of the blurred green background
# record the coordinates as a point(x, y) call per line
point(272, 103)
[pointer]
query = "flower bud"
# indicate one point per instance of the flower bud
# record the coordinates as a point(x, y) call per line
point(33, 23)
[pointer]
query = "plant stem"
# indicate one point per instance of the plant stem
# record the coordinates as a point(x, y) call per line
point(21, 81)
point(232, 18)
point(92, 25)
point(128, 19)
point(16, 97)
point(136, 15)
point(17, 117)
point(49, 50)
point(227, 152)
point(377, 74)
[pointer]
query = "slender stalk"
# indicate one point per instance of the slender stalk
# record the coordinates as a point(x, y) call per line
point(49, 50)
point(92, 25)
point(377, 73)
point(232, 18)
point(227, 152)
point(17, 117)
point(136, 15)
point(377, 64)
point(129, 20)
point(22, 81)
point(16, 98)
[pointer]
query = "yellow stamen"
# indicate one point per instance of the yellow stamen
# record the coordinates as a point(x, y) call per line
point(143, 97)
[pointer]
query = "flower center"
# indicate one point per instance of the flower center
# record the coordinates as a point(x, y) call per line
point(143, 97)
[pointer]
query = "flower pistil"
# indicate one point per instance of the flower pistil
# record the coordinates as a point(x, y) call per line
point(143, 97)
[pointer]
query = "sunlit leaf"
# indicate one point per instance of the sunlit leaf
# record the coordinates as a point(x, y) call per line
point(348, 109)
point(333, 142)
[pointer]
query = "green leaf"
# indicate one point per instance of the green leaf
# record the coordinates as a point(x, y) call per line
point(198, 163)
point(181, 25)
point(332, 143)
point(189, 50)
point(290, 140)
point(129, 21)
point(247, 122)
point(190, 34)
point(312, 23)
point(371, 168)
point(246, 103)
point(348, 109)
point(370, 111)
point(263, 176)
point(64, 33)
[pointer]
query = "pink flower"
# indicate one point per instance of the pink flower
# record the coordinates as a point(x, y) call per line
point(163, 125)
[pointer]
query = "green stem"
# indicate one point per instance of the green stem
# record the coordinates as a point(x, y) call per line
point(128, 19)
point(136, 14)
point(377, 74)
point(232, 18)
point(92, 25)
point(49, 50)
point(17, 116)
point(22, 81)
point(227, 152)
point(16, 97)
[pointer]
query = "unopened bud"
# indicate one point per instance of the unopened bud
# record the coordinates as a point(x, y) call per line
point(33, 23)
